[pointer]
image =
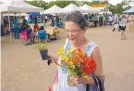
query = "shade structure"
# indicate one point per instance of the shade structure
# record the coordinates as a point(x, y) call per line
point(69, 8)
point(18, 6)
point(88, 9)
point(52, 10)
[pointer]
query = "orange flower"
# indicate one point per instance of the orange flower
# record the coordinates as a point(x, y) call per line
point(75, 60)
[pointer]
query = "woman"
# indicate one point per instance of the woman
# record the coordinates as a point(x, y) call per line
point(122, 27)
point(131, 23)
point(75, 26)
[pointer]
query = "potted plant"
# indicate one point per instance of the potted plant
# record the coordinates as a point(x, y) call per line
point(42, 46)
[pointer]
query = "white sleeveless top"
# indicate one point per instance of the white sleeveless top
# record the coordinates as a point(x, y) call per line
point(62, 73)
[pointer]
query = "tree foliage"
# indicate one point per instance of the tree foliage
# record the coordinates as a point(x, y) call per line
point(119, 8)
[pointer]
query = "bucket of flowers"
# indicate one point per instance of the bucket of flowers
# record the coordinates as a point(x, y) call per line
point(42, 46)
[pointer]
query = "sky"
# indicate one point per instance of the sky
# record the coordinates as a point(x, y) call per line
point(114, 2)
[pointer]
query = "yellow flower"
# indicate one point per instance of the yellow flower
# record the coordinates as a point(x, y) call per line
point(72, 64)
point(64, 58)
point(61, 51)
point(86, 77)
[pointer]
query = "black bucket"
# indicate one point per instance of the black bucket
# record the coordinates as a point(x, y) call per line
point(44, 54)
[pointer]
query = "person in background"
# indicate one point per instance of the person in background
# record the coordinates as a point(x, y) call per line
point(110, 19)
point(36, 27)
point(86, 17)
point(25, 22)
point(131, 23)
point(16, 28)
point(116, 18)
point(57, 20)
point(100, 20)
point(35, 19)
point(28, 31)
point(41, 34)
point(95, 20)
point(46, 19)
point(52, 21)
point(122, 27)
point(106, 18)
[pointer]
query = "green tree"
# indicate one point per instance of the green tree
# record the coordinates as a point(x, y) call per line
point(38, 3)
point(119, 8)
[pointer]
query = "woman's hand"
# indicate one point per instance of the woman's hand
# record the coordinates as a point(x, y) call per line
point(82, 80)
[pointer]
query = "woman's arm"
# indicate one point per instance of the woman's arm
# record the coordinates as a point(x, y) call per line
point(99, 70)
point(53, 58)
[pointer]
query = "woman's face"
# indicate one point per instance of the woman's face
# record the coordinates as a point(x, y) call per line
point(74, 32)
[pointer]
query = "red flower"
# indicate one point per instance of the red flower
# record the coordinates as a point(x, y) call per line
point(89, 66)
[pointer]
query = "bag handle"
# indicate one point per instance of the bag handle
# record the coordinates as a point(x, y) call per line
point(98, 84)
point(87, 87)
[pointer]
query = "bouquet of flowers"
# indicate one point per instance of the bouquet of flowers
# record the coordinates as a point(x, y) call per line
point(77, 63)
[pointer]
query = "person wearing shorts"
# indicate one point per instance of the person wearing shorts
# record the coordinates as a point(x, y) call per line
point(122, 28)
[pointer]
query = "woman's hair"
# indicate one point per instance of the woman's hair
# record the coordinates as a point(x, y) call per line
point(77, 18)
point(42, 28)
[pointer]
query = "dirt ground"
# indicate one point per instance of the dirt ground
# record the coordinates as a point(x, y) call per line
point(23, 70)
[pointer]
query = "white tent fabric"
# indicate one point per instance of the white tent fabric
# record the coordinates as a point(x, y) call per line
point(19, 14)
point(18, 6)
point(88, 9)
point(69, 8)
point(131, 10)
point(108, 12)
point(54, 9)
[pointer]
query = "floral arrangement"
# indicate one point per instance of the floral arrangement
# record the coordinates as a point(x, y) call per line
point(77, 63)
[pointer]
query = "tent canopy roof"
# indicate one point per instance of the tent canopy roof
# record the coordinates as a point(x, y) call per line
point(53, 9)
point(69, 8)
point(18, 6)
point(89, 9)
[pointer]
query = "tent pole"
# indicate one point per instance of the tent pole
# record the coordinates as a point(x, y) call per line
point(9, 27)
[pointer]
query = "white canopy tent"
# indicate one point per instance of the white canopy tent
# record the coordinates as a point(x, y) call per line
point(18, 6)
point(53, 10)
point(131, 10)
point(88, 9)
point(69, 8)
